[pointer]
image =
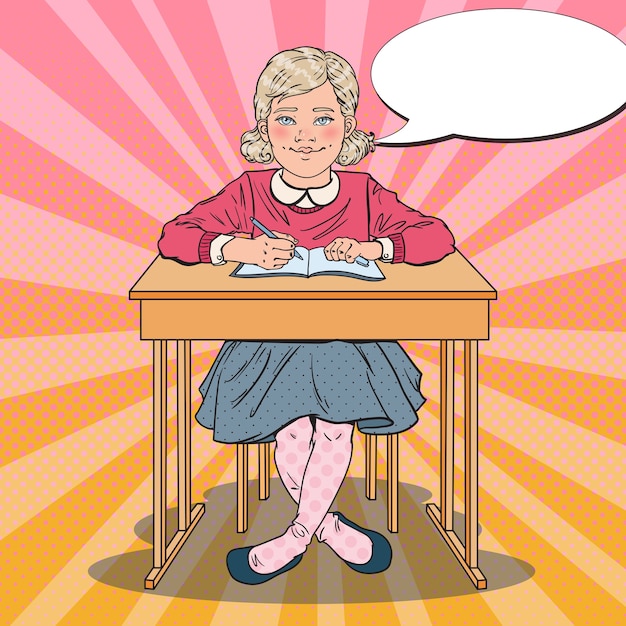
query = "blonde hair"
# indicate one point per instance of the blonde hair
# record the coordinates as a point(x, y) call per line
point(298, 71)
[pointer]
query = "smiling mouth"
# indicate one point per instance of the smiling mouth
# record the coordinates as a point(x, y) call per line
point(306, 150)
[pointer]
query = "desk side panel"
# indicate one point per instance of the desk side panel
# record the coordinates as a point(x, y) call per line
point(314, 319)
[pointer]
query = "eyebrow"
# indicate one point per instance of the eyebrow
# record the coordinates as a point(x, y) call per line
point(285, 109)
point(324, 109)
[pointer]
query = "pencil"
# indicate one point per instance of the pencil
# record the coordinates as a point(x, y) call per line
point(270, 234)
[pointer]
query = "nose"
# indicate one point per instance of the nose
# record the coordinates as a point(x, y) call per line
point(305, 135)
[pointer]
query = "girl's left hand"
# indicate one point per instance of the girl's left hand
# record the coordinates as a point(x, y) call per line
point(345, 249)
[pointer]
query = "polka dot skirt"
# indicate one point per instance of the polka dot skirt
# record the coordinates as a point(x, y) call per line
point(256, 388)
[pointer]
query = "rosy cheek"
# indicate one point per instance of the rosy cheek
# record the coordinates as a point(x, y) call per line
point(331, 134)
point(279, 133)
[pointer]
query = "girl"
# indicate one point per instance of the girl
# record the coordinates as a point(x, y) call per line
point(307, 396)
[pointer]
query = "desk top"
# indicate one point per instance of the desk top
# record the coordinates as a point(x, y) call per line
point(452, 278)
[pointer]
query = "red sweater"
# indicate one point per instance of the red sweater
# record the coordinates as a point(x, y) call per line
point(363, 210)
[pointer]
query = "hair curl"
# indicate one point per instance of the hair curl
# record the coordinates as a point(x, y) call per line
point(298, 71)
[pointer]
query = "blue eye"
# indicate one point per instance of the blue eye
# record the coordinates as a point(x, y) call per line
point(323, 121)
point(285, 120)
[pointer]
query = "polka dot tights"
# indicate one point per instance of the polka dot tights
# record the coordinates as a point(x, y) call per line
point(312, 463)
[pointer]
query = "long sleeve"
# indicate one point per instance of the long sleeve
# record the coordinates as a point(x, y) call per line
point(187, 238)
point(417, 238)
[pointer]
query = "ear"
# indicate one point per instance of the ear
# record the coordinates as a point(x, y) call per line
point(349, 125)
point(262, 127)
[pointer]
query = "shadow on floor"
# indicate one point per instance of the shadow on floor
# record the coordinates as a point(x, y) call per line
point(423, 566)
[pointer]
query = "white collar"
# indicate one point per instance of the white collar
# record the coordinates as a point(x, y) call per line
point(304, 198)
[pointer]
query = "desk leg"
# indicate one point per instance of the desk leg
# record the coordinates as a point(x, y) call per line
point(163, 552)
point(370, 466)
point(183, 361)
point(242, 487)
point(447, 434)
point(392, 482)
point(264, 471)
point(160, 451)
point(466, 555)
point(471, 453)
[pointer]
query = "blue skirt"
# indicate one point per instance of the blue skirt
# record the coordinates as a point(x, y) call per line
point(254, 389)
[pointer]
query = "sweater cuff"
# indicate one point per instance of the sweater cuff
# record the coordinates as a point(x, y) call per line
point(210, 248)
point(398, 248)
point(204, 248)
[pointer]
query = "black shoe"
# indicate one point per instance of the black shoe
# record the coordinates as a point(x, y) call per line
point(381, 549)
point(239, 567)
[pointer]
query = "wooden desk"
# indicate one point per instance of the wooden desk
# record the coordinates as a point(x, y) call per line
point(445, 301)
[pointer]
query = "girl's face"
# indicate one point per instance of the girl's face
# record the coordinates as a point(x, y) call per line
point(307, 132)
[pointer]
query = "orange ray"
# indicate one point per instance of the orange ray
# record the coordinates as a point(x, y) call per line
point(573, 591)
point(551, 389)
point(34, 309)
point(590, 299)
point(39, 549)
point(114, 604)
point(34, 420)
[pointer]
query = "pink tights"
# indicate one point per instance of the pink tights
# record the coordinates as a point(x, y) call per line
point(312, 466)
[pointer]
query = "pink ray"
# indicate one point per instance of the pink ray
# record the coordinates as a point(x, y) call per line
point(506, 177)
point(293, 32)
point(248, 44)
point(392, 122)
point(71, 74)
point(41, 115)
point(596, 164)
point(384, 21)
point(347, 42)
point(198, 39)
point(437, 161)
point(33, 309)
point(437, 8)
point(384, 162)
point(608, 15)
point(41, 247)
point(470, 159)
point(87, 26)
point(145, 36)
point(588, 232)
point(34, 175)
point(543, 5)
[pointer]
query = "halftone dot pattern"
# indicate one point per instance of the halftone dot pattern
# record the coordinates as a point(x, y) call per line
point(31, 309)
point(595, 165)
point(438, 160)
point(41, 247)
point(586, 233)
point(409, 164)
point(549, 389)
point(471, 159)
point(35, 420)
point(507, 177)
point(597, 352)
point(552, 567)
point(590, 299)
point(34, 175)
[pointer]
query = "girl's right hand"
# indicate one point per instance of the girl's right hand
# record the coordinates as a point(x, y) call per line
point(263, 251)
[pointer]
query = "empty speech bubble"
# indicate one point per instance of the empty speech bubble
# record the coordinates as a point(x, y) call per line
point(500, 75)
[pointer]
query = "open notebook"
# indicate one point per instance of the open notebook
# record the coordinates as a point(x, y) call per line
point(313, 263)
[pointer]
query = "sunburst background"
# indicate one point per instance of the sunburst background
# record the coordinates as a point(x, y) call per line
point(116, 117)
